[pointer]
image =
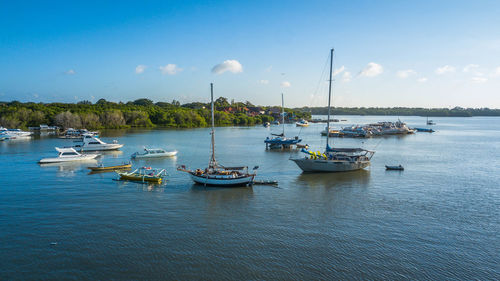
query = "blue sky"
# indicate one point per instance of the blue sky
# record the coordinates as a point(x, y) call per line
point(388, 53)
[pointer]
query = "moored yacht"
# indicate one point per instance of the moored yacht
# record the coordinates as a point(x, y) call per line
point(92, 143)
point(14, 133)
point(334, 159)
point(278, 141)
point(216, 174)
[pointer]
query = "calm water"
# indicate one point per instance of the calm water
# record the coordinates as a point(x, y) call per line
point(439, 219)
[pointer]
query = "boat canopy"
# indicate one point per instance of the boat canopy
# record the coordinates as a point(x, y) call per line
point(279, 135)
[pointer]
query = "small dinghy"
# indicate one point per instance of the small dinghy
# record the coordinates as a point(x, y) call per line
point(102, 168)
point(153, 153)
point(395, 168)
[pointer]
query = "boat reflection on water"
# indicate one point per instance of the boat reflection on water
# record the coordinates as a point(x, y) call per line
point(216, 197)
point(66, 169)
point(111, 153)
point(146, 186)
point(359, 178)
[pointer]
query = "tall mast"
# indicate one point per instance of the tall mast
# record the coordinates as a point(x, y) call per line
point(329, 99)
point(283, 113)
point(213, 163)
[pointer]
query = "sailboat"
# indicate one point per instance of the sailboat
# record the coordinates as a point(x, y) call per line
point(430, 122)
point(216, 174)
point(334, 159)
point(279, 140)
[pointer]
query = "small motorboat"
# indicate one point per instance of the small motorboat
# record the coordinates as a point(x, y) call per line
point(67, 155)
point(144, 174)
point(153, 153)
point(395, 168)
point(102, 168)
point(266, 124)
point(302, 123)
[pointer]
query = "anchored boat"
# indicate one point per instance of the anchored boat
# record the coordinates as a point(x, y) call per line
point(144, 174)
point(334, 159)
point(153, 153)
point(67, 155)
point(302, 123)
point(102, 168)
point(93, 143)
point(216, 174)
point(279, 140)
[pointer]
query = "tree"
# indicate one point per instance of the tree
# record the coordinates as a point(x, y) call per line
point(67, 120)
point(143, 102)
point(221, 103)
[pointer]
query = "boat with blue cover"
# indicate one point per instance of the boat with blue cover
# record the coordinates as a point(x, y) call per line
point(279, 141)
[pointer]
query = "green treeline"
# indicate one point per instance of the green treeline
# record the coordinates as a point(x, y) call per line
point(404, 111)
point(139, 113)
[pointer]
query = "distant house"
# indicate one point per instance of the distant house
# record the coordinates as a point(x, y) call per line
point(274, 111)
point(255, 110)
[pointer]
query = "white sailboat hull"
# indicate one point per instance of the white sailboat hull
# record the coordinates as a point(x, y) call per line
point(222, 181)
point(329, 166)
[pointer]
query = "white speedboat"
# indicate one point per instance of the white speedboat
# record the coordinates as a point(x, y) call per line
point(93, 143)
point(68, 154)
point(334, 159)
point(153, 153)
point(216, 174)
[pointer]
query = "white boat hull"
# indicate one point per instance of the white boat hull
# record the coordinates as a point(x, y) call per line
point(329, 166)
point(83, 157)
point(222, 181)
point(99, 147)
point(155, 155)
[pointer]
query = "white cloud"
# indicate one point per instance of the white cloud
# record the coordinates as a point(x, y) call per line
point(285, 84)
point(422, 80)
point(140, 68)
point(444, 69)
point(233, 66)
point(70, 72)
point(346, 77)
point(497, 71)
point(265, 82)
point(338, 71)
point(35, 95)
point(479, 79)
point(372, 70)
point(170, 69)
point(470, 67)
point(405, 73)
point(269, 68)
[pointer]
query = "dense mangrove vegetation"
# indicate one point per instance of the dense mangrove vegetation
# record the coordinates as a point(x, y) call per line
point(138, 113)
point(404, 111)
